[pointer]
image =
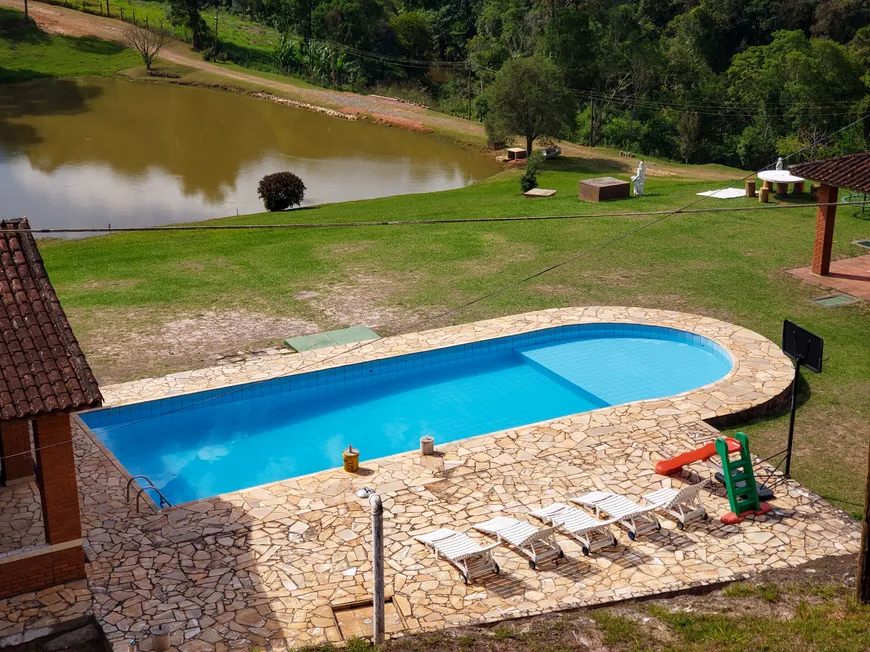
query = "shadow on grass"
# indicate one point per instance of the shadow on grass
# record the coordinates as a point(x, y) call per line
point(90, 45)
point(596, 166)
point(15, 28)
point(8, 76)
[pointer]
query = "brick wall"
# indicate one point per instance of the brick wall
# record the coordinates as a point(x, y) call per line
point(56, 475)
point(17, 460)
point(824, 230)
point(41, 571)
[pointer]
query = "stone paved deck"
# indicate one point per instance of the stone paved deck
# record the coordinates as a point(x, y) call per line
point(21, 522)
point(263, 567)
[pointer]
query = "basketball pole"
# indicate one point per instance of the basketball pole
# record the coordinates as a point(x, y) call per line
point(794, 386)
point(863, 579)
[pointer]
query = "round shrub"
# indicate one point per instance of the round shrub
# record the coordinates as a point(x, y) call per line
point(281, 190)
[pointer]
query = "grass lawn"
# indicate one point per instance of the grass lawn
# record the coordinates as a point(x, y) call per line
point(250, 41)
point(807, 609)
point(28, 53)
point(730, 265)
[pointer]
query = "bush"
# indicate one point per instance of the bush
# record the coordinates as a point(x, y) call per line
point(281, 190)
point(529, 178)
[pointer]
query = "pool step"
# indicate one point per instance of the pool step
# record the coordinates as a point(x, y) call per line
point(597, 401)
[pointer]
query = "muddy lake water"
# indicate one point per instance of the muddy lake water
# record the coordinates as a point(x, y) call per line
point(91, 152)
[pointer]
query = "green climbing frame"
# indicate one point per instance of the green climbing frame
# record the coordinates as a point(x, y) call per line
point(739, 477)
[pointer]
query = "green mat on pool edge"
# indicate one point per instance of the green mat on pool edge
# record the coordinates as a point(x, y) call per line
point(330, 338)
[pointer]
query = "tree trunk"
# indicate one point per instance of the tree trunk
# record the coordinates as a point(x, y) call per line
point(529, 141)
point(25, 9)
point(195, 34)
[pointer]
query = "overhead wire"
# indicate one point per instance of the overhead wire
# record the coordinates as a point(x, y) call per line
point(422, 222)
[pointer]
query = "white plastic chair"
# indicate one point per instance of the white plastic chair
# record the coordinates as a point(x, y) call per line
point(683, 504)
point(639, 519)
point(472, 559)
point(592, 533)
point(539, 545)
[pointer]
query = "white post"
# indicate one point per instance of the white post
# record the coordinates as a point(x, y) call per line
point(378, 567)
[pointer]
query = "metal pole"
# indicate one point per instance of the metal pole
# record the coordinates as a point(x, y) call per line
point(863, 579)
point(797, 373)
point(378, 567)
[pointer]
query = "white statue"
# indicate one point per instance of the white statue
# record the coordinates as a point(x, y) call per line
point(779, 163)
point(639, 179)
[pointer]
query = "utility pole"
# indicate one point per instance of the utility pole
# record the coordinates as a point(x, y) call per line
point(863, 578)
point(378, 628)
point(591, 121)
point(215, 48)
point(468, 74)
point(332, 63)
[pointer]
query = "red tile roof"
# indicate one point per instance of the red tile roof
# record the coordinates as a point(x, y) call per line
point(42, 368)
point(851, 171)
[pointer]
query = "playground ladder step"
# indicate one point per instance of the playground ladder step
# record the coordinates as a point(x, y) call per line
point(738, 475)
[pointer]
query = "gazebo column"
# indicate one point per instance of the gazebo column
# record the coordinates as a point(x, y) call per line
point(15, 446)
point(56, 475)
point(824, 230)
point(56, 470)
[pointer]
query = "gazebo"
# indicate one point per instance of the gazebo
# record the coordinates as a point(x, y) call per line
point(43, 378)
point(852, 172)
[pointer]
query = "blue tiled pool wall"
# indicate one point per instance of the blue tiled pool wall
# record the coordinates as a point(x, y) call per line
point(338, 379)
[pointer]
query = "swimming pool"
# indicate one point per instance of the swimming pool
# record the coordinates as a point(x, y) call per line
point(223, 440)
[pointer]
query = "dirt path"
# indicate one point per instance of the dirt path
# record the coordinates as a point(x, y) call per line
point(60, 20)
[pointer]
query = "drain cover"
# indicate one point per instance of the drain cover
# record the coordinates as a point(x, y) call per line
point(862, 243)
point(835, 300)
point(355, 620)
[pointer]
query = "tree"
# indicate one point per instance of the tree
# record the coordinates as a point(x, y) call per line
point(688, 134)
point(187, 13)
point(528, 98)
point(146, 42)
point(839, 20)
point(281, 190)
point(413, 33)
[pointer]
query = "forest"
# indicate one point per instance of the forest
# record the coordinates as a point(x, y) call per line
point(735, 82)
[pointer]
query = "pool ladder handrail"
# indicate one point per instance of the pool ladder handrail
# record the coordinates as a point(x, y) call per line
point(164, 502)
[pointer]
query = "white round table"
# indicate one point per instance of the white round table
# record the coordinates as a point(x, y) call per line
point(782, 178)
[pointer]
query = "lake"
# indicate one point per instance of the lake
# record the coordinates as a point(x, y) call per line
point(92, 152)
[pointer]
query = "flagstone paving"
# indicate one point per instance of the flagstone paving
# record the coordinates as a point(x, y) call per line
point(265, 566)
point(21, 523)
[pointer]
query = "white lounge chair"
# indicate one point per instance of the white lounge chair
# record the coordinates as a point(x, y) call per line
point(683, 504)
point(593, 534)
point(639, 519)
point(472, 559)
point(539, 545)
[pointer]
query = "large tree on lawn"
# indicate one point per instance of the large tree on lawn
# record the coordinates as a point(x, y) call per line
point(528, 98)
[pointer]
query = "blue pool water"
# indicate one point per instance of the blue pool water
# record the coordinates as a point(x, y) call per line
point(214, 442)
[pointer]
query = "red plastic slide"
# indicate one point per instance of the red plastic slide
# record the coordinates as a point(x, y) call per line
point(675, 464)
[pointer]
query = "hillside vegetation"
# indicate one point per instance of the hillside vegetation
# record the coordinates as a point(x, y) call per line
point(729, 81)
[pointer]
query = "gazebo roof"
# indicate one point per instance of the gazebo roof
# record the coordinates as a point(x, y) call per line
point(42, 367)
point(850, 171)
